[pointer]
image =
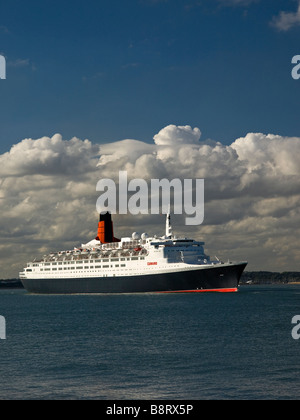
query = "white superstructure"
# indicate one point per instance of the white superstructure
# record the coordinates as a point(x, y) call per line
point(135, 256)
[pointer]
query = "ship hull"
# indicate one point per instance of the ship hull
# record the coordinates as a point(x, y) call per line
point(219, 278)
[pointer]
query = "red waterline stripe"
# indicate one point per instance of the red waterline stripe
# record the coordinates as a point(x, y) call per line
point(204, 291)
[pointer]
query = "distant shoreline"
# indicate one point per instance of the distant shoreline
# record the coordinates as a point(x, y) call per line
point(248, 277)
point(11, 284)
point(269, 277)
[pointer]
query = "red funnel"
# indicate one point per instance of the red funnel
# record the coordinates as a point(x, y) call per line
point(106, 230)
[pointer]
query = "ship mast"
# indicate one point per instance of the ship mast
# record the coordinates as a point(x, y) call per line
point(169, 232)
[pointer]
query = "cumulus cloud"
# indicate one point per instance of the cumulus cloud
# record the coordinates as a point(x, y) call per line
point(41, 194)
point(271, 164)
point(173, 135)
point(47, 156)
point(287, 20)
point(252, 195)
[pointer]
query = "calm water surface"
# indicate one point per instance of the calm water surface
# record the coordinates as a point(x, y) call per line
point(194, 346)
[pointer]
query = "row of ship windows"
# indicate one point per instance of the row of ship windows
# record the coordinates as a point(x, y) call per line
point(85, 262)
point(94, 267)
point(84, 268)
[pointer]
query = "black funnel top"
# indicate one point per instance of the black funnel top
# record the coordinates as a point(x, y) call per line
point(109, 234)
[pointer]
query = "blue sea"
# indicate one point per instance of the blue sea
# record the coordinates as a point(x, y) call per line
point(146, 347)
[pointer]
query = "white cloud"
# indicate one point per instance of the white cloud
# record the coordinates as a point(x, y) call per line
point(47, 156)
point(287, 20)
point(252, 195)
point(19, 62)
point(173, 135)
point(237, 2)
point(271, 164)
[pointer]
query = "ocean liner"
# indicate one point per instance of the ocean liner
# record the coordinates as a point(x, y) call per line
point(136, 264)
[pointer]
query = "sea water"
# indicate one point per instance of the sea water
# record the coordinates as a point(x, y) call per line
point(169, 346)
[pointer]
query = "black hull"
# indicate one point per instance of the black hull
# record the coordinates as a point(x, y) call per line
point(220, 278)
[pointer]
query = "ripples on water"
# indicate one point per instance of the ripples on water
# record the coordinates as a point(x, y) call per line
point(195, 346)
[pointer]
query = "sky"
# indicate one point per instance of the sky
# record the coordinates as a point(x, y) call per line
point(160, 88)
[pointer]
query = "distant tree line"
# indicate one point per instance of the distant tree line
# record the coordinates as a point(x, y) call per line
point(268, 277)
point(11, 284)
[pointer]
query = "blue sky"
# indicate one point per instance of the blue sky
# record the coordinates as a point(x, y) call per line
point(113, 70)
point(109, 70)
